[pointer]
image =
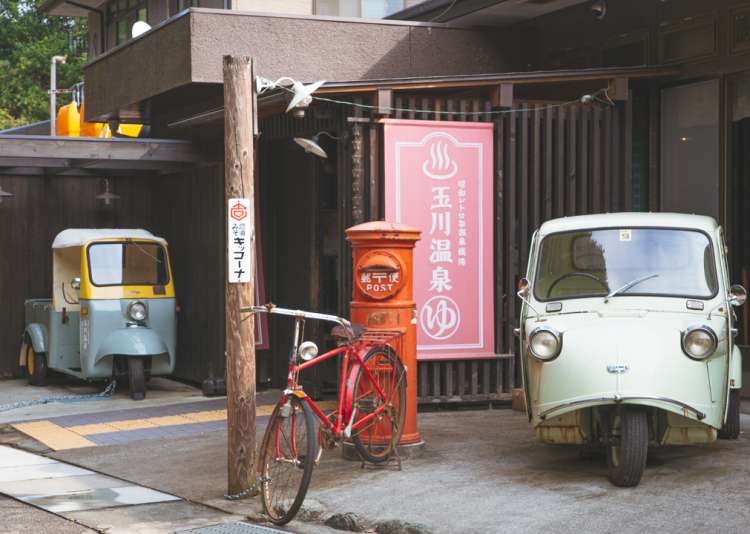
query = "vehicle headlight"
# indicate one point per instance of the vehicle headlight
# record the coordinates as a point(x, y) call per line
point(308, 350)
point(137, 311)
point(545, 343)
point(699, 342)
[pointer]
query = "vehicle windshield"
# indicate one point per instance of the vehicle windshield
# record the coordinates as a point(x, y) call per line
point(628, 261)
point(128, 264)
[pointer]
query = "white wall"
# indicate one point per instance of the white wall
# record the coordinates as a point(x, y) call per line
point(290, 7)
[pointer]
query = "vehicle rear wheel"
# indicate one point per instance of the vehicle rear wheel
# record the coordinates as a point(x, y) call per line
point(286, 460)
point(628, 448)
point(377, 439)
point(36, 366)
point(136, 379)
point(731, 429)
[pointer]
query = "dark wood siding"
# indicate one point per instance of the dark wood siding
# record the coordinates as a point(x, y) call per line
point(40, 208)
point(187, 211)
point(549, 162)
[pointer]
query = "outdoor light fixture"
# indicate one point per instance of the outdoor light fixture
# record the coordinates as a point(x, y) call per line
point(4, 194)
point(599, 9)
point(107, 196)
point(312, 146)
point(139, 28)
point(302, 93)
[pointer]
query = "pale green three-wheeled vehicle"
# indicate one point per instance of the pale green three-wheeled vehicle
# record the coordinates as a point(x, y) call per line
point(627, 335)
point(112, 313)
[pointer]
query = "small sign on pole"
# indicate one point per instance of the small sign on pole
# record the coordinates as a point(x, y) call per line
point(240, 242)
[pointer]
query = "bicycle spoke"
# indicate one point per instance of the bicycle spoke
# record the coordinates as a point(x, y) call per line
point(286, 462)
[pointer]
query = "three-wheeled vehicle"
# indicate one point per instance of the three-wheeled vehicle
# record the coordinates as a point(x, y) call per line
point(627, 335)
point(112, 312)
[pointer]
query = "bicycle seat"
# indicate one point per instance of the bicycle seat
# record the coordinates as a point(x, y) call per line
point(340, 332)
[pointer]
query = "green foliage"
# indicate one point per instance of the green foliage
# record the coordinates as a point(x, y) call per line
point(28, 40)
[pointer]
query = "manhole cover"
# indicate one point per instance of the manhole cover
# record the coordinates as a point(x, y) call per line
point(233, 528)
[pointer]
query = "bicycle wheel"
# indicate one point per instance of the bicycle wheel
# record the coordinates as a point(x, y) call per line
point(377, 439)
point(287, 458)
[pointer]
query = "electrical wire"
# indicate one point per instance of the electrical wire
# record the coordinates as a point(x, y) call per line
point(456, 113)
point(445, 12)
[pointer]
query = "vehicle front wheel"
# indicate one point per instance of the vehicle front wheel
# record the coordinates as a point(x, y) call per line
point(36, 366)
point(136, 379)
point(731, 429)
point(628, 446)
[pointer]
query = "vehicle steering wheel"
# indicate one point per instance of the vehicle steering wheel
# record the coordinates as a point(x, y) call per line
point(571, 275)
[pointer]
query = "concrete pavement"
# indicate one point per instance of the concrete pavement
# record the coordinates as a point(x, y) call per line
point(482, 471)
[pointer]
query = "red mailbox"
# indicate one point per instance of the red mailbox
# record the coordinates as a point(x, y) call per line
point(383, 297)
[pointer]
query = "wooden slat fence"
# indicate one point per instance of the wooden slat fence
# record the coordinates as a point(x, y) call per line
point(549, 162)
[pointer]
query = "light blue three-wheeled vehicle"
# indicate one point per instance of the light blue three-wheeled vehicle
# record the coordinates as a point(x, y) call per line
point(112, 313)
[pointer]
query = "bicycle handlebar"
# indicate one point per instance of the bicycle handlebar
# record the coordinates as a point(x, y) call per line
point(300, 314)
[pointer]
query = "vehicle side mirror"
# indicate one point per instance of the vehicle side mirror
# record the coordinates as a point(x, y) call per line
point(523, 288)
point(737, 295)
point(75, 283)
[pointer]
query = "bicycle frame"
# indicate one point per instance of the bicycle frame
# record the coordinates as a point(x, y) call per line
point(345, 413)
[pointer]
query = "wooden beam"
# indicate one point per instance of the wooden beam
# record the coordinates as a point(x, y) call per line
point(88, 148)
point(501, 96)
point(618, 89)
point(239, 159)
point(384, 99)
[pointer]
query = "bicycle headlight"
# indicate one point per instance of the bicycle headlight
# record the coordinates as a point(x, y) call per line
point(545, 343)
point(137, 311)
point(308, 350)
point(699, 342)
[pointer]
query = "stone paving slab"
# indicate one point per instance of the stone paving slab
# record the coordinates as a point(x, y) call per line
point(61, 487)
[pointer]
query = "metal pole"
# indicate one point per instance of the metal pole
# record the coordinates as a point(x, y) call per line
point(239, 160)
point(53, 92)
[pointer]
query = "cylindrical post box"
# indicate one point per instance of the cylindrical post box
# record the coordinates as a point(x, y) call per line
point(383, 297)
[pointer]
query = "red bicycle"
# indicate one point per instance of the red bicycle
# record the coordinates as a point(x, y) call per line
point(370, 411)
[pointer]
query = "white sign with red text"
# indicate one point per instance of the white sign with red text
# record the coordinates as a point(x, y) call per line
point(238, 247)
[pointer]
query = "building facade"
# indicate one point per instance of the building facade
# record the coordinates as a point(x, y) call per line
point(672, 138)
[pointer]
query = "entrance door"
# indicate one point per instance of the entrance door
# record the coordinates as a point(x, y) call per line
point(305, 247)
point(690, 149)
point(738, 198)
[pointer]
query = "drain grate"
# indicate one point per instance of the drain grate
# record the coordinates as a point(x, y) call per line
point(233, 528)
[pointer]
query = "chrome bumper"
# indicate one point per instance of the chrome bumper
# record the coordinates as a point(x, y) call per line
point(617, 399)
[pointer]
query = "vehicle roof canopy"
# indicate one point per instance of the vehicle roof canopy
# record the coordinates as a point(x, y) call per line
point(77, 237)
point(629, 220)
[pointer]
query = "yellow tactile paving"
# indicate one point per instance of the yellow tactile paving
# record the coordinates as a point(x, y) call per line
point(132, 424)
point(95, 428)
point(207, 417)
point(59, 438)
point(54, 436)
point(170, 420)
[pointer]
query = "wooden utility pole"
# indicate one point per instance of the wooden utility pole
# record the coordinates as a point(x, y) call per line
point(239, 86)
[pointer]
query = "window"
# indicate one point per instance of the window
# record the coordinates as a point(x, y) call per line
point(182, 5)
point(657, 261)
point(122, 14)
point(127, 264)
point(739, 38)
point(688, 39)
point(690, 148)
point(371, 9)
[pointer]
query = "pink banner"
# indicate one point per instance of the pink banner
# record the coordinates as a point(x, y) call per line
point(438, 178)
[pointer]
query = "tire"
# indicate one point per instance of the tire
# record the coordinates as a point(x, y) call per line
point(390, 374)
point(36, 366)
point(284, 483)
point(731, 429)
point(136, 379)
point(626, 461)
